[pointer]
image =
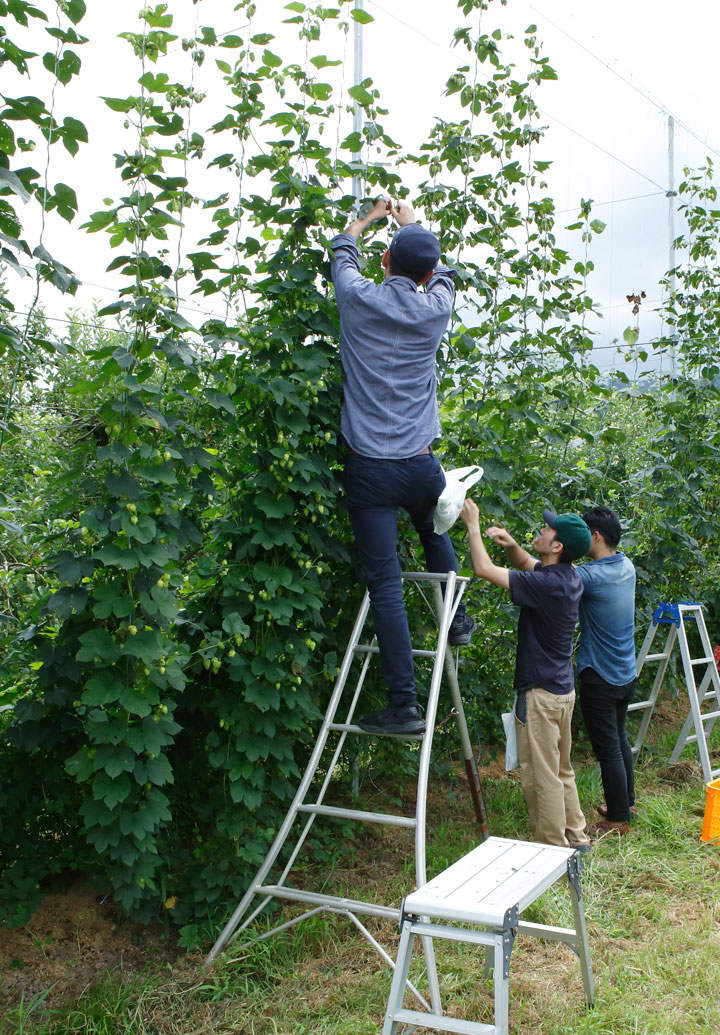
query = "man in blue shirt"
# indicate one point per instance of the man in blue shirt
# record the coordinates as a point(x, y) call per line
point(548, 593)
point(606, 664)
point(389, 336)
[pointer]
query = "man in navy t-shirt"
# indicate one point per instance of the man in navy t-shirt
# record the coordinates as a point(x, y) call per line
point(548, 593)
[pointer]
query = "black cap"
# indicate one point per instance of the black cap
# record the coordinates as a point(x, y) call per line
point(414, 249)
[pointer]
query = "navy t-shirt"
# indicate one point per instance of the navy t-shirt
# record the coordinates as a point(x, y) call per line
point(549, 601)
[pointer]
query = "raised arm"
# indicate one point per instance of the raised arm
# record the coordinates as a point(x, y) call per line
point(518, 557)
point(402, 212)
point(482, 565)
point(383, 207)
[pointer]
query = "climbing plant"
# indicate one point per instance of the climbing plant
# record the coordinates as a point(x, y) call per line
point(184, 584)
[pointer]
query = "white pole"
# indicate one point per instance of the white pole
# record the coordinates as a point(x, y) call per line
point(357, 182)
point(357, 186)
point(671, 195)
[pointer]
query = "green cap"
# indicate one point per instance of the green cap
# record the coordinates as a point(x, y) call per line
point(571, 531)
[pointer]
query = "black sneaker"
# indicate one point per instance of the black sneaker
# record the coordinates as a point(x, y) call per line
point(406, 719)
point(461, 629)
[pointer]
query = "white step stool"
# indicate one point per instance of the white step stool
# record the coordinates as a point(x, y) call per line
point(489, 887)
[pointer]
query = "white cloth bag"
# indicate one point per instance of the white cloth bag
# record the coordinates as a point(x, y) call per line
point(451, 499)
point(511, 755)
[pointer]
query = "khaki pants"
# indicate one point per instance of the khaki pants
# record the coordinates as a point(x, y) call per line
point(547, 775)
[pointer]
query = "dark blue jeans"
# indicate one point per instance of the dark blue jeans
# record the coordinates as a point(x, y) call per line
point(374, 491)
point(604, 709)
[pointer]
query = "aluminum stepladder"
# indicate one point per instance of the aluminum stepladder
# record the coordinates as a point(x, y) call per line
point(675, 616)
point(444, 608)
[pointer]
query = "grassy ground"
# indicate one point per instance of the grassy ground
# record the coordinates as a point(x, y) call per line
point(652, 902)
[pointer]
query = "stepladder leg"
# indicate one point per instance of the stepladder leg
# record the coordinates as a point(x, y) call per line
point(583, 946)
point(400, 976)
point(432, 975)
point(501, 986)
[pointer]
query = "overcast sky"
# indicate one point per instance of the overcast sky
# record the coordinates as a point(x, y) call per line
point(623, 68)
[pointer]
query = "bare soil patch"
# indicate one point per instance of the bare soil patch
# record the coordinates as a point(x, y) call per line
point(73, 939)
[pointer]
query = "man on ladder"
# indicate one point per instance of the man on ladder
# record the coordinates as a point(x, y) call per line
point(389, 336)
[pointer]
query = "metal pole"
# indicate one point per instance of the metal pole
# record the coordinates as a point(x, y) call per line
point(357, 182)
point(671, 195)
point(357, 190)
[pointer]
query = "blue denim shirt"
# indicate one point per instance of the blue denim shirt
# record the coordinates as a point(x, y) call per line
point(389, 336)
point(607, 619)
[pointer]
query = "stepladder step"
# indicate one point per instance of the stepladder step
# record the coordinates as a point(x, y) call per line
point(344, 727)
point(360, 815)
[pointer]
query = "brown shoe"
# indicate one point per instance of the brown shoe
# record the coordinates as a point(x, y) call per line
point(602, 810)
point(606, 826)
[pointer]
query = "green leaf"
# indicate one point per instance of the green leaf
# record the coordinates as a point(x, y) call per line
point(631, 335)
point(98, 813)
point(121, 104)
point(75, 10)
point(155, 83)
point(144, 530)
point(98, 221)
point(220, 401)
point(234, 624)
point(155, 737)
point(80, 766)
point(157, 473)
point(134, 702)
point(322, 62)
point(159, 771)
point(177, 321)
point(152, 553)
point(271, 60)
point(361, 95)
point(65, 67)
point(13, 181)
point(67, 600)
point(112, 600)
point(9, 258)
point(102, 689)
point(274, 506)
point(146, 646)
point(110, 791)
point(159, 602)
point(353, 142)
point(113, 555)
point(597, 225)
point(69, 567)
point(274, 536)
point(364, 17)
point(319, 92)
point(121, 760)
point(65, 201)
point(98, 643)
